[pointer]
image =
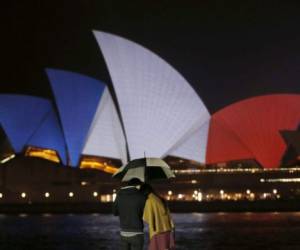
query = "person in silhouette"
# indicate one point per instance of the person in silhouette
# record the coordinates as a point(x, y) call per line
point(129, 206)
point(157, 216)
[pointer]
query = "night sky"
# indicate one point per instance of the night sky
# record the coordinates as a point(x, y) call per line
point(226, 51)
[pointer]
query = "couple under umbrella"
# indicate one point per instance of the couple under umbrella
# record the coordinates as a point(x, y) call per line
point(136, 203)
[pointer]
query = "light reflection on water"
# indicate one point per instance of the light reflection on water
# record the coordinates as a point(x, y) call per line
point(211, 231)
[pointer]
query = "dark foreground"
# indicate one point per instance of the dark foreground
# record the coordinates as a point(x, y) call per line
point(213, 231)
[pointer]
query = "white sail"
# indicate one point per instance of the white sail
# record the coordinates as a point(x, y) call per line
point(105, 137)
point(157, 104)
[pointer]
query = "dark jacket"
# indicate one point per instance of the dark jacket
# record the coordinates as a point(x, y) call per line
point(129, 206)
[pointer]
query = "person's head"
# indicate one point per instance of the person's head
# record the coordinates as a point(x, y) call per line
point(135, 182)
point(146, 189)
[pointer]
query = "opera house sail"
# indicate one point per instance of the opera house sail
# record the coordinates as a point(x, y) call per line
point(88, 115)
point(105, 137)
point(159, 109)
point(158, 115)
point(31, 121)
point(248, 150)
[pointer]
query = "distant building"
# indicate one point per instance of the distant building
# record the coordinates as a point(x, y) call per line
point(153, 111)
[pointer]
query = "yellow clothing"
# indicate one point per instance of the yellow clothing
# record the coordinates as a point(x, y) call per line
point(157, 215)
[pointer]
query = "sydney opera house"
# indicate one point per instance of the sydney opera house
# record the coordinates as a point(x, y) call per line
point(67, 147)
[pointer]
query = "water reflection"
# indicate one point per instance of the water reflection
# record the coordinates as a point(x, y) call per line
point(212, 231)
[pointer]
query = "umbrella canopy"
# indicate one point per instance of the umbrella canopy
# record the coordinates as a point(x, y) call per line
point(145, 169)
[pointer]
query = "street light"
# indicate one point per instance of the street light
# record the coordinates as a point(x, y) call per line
point(199, 196)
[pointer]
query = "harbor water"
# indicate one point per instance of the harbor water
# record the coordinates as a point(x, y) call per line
point(194, 231)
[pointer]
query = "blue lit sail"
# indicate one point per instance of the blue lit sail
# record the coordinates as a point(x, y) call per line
point(50, 136)
point(20, 116)
point(77, 97)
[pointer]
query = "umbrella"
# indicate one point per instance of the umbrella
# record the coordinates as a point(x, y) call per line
point(145, 169)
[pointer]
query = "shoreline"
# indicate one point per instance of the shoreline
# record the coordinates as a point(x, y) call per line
point(175, 207)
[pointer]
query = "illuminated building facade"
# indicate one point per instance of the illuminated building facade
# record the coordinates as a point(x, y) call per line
point(159, 115)
point(246, 151)
point(23, 182)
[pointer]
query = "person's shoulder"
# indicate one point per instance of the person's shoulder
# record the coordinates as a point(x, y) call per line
point(155, 200)
point(122, 192)
point(141, 193)
point(119, 191)
point(153, 196)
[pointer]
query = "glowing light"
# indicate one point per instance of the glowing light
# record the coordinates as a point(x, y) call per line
point(199, 196)
point(221, 192)
point(180, 196)
point(47, 154)
point(23, 195)
point(248, 191)
point(47, 194)
point(95, 194)
point(114, 196)
point(235, 170)
point(284, 180)
point(1, 195)
point(194, 181)
point(105, 198)
point(8, 158)
point(71, 194)
point(275, 191)
point(196, 192)
point(95, 163)
point(170, 192)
